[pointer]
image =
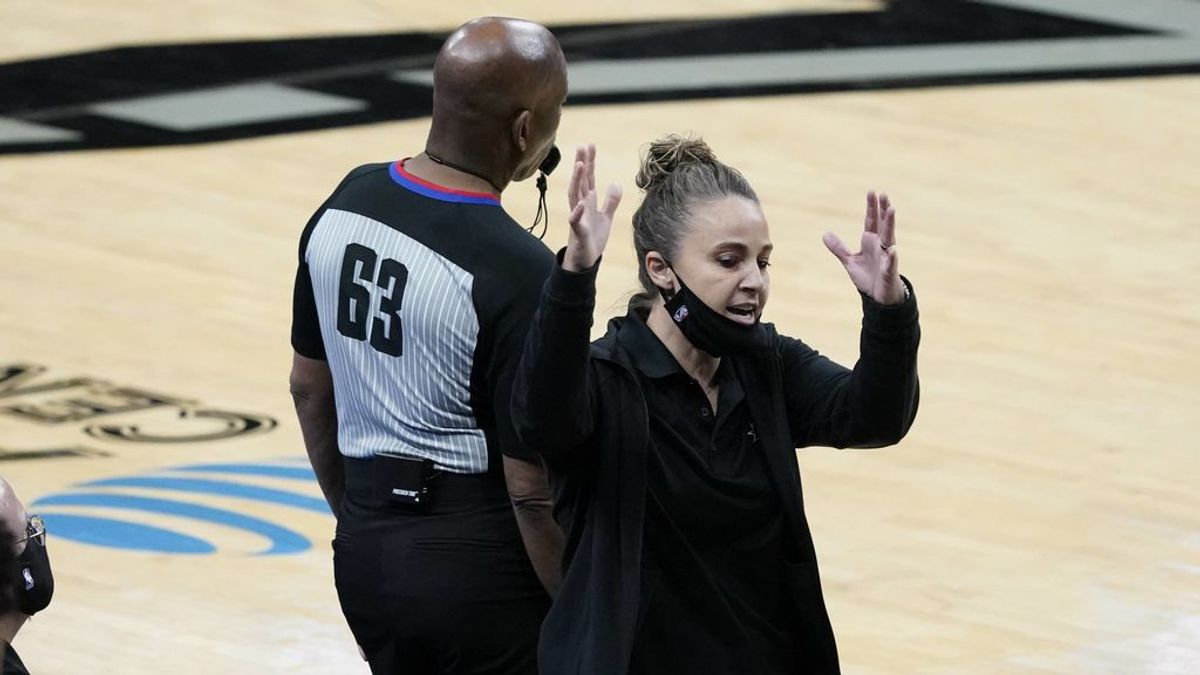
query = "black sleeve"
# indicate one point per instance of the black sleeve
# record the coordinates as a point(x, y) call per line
point(513, 302)
point(306, 328)
point(871, 406)
point(551, 404)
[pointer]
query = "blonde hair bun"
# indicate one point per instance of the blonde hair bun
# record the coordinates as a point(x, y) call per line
point(667, 154)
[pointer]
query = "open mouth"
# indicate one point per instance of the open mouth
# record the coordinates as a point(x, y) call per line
point(742, 313)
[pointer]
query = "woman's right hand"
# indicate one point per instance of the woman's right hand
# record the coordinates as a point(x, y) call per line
point(590, 226)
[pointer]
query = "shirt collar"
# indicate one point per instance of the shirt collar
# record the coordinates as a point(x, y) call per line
point(439, 192)
point(651, 357)
point(647, 353)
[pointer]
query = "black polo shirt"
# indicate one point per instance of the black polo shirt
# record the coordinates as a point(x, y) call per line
point(12, 662)
point(713, 573)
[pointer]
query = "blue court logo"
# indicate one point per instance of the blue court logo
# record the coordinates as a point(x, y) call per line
point(154, 512)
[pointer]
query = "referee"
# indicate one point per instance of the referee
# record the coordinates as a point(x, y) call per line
point(412, 300)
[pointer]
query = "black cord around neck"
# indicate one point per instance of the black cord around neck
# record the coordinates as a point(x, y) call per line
point(542, 216)
point(459, 167)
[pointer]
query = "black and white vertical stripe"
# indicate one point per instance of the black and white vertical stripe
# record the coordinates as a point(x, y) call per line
point(418, 403)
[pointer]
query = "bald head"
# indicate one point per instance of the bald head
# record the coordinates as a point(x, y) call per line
point(498, 61)
point(498, 89)
point(12, 513)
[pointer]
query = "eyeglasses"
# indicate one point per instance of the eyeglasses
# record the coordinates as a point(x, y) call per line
point(35, 529)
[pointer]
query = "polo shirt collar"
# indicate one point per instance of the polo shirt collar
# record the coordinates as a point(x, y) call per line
point(646, 352)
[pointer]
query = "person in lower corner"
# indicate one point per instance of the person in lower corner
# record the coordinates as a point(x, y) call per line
point(26, 581)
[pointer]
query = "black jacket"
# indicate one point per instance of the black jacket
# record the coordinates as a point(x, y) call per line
point(582, 408)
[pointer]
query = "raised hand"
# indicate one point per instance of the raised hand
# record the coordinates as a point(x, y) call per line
point(590, 225)
point(875, 270)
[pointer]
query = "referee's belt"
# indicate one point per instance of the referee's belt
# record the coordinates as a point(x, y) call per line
point(444, 485)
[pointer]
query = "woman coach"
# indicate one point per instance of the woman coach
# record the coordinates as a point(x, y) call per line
point(670, 441)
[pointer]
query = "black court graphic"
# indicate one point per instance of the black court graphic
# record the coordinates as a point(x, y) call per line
point(69, 452)
point(28, 396)
point(193, 93)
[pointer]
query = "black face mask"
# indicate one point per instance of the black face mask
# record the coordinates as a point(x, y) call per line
point(35, 581)
point(708, 329)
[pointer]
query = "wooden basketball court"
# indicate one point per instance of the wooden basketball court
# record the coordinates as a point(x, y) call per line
point(1042, 517)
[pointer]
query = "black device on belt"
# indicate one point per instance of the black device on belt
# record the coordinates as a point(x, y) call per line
point(403, 480)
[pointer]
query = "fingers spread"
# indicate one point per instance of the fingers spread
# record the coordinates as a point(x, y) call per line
point(612, 200)
point(869, 245)
point(871, 222)
point(576, 188)
point(836, 247)
point(577, 214)
point(887, 228)
point(591, 166)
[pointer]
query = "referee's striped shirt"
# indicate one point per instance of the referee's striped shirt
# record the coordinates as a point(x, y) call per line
point(419, 297)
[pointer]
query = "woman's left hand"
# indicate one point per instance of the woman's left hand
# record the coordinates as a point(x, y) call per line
point(590, 224)
point(875, 270)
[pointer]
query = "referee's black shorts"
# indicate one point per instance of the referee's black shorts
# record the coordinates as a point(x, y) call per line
point(449, 589)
